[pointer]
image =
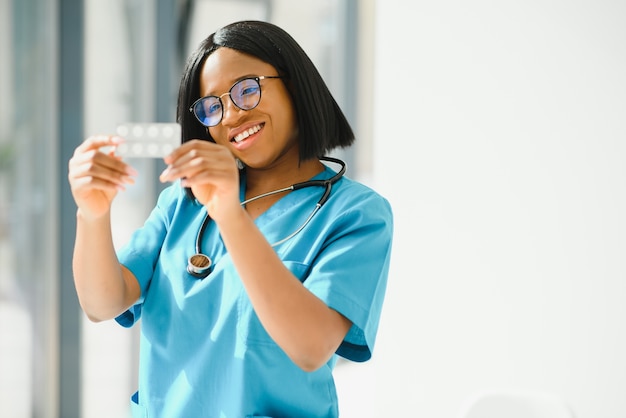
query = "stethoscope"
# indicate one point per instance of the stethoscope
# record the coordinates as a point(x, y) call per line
point(199, 264)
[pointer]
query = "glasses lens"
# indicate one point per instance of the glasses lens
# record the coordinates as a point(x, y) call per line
point(208, 110)
point(246, 93)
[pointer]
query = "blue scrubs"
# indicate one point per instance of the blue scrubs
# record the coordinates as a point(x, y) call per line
point(204, 352)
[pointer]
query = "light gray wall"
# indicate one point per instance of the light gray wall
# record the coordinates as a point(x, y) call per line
point(500, 137)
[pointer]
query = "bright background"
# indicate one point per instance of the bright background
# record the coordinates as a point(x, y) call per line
point(500, 139)
point(497, 130)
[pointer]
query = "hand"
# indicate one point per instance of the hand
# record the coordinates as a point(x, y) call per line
point(96, 177)
point(210, 170)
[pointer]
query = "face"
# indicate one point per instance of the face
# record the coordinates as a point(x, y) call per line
point(260, 136)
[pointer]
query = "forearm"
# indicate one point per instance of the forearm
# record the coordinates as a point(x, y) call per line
point(299, 322)
point(101, 285)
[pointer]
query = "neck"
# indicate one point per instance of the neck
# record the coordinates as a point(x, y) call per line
point(259, 182)
point(282, 175)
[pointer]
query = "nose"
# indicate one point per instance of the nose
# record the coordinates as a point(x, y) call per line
point(230, 111)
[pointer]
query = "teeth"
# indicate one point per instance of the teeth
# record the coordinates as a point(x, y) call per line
point(247, 133)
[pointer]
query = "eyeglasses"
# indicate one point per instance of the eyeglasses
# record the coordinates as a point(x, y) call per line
point(245, 94)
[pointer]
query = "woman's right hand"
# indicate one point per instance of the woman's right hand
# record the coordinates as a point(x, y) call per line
point(95, 177)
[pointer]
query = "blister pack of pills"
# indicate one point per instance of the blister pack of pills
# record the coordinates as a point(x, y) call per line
point(148, 140)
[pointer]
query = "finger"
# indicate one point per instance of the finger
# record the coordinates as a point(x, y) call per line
point(88, 183)
point(203, 154)
point(203, 178)
point(91, 183)
point(98, 141)
point(91, 168)
point(194, 163)
point(115, 163)
point(179, 167)
point(195, 176)
point(108, 161)
point(112, 154)
point(188, 169)
point(188, 146)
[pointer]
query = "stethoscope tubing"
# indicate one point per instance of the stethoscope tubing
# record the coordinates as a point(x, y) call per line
point(203, 271)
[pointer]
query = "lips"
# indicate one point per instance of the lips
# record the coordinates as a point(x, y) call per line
point(250, 131)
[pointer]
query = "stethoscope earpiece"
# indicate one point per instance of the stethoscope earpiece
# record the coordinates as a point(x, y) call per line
point(199, 266)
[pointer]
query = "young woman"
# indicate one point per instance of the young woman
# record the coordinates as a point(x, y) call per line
point(260, 263)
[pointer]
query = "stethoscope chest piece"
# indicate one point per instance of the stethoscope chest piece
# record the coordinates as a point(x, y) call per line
point(199, 266)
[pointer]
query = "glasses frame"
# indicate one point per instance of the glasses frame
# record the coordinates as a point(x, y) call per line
point(219, 98)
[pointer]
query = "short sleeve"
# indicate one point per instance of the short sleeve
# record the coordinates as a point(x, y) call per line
point(350, 273)
point(140, 254)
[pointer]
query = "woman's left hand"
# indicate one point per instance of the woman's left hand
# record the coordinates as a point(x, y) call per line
point(210, 170)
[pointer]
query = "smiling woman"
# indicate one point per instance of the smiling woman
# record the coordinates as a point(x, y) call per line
point(259, 330)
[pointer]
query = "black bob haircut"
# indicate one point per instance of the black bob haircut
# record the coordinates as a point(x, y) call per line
point(322, 126)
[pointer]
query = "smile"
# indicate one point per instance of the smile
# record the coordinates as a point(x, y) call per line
point(243, 135)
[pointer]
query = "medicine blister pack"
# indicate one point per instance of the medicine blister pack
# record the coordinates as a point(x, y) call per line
point(148, 140)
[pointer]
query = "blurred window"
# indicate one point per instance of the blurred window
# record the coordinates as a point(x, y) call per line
point(28, 201)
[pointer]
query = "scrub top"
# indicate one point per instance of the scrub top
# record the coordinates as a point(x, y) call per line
point(203, 350)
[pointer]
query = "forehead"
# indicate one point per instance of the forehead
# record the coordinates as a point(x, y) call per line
point(225, 66)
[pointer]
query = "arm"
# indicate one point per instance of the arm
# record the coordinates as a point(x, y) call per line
point(307, 330)
point(104, 287)
point(299, 322)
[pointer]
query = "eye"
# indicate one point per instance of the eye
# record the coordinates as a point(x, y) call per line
point(249, 90)
point(246, 88)
point(213, 106)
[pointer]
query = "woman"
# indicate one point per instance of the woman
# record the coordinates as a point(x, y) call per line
point(296, 276)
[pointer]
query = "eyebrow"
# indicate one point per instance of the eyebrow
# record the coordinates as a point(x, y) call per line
point(238, 79)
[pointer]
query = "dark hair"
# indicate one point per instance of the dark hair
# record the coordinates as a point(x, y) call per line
point(321, 123)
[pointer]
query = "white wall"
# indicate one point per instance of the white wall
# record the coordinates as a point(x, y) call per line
point(500, 135)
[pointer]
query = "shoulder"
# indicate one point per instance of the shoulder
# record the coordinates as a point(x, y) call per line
point(353, 191)
point(359, 195)
point(357, 206)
